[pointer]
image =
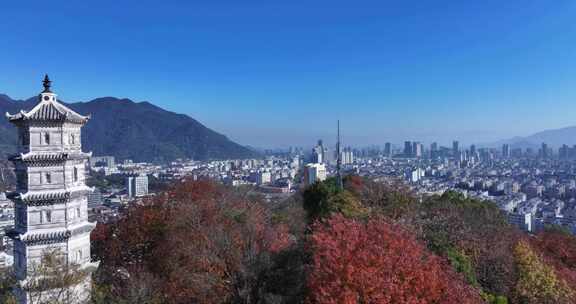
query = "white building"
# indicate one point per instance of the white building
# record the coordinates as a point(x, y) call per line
point(318, 153)
point(414, 175)
point(347, 157)
point(264, 177)
point(314, 173)
point(137, 186)
point(417, 149)
point(522, 221)
point(50, 198)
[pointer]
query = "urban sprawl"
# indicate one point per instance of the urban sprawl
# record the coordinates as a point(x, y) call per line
point(536, 187)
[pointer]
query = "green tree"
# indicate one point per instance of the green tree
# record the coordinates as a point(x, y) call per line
point(462, 264)
point(393, 200)
point(474, 236)
point(7, 284)
point(322, 199)
point(54, 281)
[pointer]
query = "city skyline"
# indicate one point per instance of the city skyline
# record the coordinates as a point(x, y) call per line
point(263, 74)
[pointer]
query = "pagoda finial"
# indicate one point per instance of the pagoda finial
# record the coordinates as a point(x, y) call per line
point(47, 83)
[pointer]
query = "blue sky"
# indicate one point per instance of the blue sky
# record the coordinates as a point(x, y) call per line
point(279, 73)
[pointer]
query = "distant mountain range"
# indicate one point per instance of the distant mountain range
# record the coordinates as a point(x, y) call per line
point(553, 138)
point(139, 131)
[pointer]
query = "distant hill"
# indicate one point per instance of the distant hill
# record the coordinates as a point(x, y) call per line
point(553, 138)
point(139, 131)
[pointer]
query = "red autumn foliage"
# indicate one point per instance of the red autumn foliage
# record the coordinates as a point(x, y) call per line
point(198, 243)
point(378, 262)
point(354, 183)
point(558, 249)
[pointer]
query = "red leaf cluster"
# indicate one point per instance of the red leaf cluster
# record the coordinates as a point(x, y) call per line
point(378, 262)
point(200, 243)
point(558, 249)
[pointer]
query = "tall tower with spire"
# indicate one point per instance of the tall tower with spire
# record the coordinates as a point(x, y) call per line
point(50, 200)
point(338, 161)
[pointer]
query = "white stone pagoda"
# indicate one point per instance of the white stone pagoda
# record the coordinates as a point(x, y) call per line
point(50, 200)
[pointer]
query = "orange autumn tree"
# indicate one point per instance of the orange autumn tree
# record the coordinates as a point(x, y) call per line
point(217, 246)
point(199, 242)
point(378, 262)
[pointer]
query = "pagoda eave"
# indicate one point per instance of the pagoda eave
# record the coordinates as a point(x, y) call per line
point(31, 197)
point(52, 237)
point(31, 157)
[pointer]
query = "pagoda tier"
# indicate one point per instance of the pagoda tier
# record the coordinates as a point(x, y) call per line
point(51, 237)
point(48, 110)
point(39, 198)
point(50, 157)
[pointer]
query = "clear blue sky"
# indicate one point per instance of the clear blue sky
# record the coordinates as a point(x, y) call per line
point(277, 73)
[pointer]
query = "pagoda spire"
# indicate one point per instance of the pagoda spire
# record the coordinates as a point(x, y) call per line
point(47, 84)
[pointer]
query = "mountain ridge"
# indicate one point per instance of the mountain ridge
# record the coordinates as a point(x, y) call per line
point(140, 131)
point(554, 138)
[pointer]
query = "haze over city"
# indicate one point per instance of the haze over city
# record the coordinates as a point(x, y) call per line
point(271, 74)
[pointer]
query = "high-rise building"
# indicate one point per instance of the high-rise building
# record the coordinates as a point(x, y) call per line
point(563, 152)
point(295, 164)
point(263, 177)
point(434, 150)
point(387, 149)
point(314, 173)
point(318, 153)
point(417, 149)
point(50, 201)
point(544, 151)
point(414, 175)
point(339, 184)
point(455, 148)
point(137, 186)
point(506, 150)
point(347, 156)
point(408, 149)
